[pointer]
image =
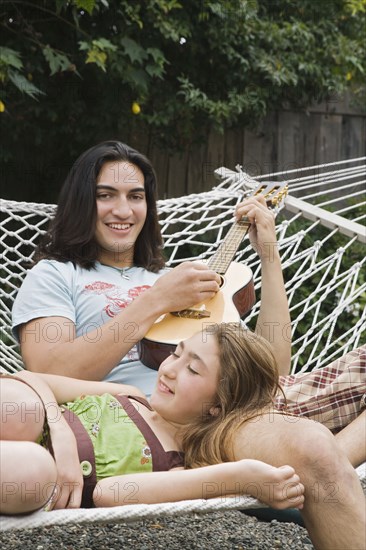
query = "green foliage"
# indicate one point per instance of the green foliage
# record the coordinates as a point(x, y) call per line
point(57, 62)
point(87, 5)
point(11, 66)
point(10, 58)
point(355, 6)
point(97, 51)
point(189, 66)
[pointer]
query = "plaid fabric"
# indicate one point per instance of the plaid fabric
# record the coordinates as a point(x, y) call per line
point(333, 395)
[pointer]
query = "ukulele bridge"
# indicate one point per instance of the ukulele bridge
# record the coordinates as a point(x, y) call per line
point(192, 313)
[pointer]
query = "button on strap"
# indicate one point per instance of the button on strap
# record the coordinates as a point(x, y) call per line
point(86, 468)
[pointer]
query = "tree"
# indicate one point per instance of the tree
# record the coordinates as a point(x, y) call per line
point(74, 72)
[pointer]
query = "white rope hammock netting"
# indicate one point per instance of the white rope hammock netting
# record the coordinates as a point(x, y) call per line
point(127, 514)
point(321, 234)
point(323, 257)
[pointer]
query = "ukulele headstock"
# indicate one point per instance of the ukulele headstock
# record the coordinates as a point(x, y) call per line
point(274, 193)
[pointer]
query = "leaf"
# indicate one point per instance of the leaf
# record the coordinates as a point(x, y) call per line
point(154, 70)
point(84, 45)
point(104, 44)
point(97, 57)
point(23, 84)
point(87, 5)
point(57, 62)
point(96, 51)
point(138, 79)
point(10, 57)
point(134, 51)
point(156, 54)
point(355, 6)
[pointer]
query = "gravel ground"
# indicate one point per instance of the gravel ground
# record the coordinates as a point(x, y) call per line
point(229, 530)
point(219, 531)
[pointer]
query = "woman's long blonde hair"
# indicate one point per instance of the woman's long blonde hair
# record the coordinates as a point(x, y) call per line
point(247, 385)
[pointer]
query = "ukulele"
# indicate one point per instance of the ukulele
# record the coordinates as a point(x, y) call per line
point(235, 298)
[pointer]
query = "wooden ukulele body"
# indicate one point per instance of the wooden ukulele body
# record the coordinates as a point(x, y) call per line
point(235, 298)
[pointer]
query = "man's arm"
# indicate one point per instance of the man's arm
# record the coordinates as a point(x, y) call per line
point(273, 321)
point(50, 344)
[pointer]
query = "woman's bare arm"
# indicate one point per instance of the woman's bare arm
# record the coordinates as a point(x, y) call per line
point(278, 487)
point(63, 388)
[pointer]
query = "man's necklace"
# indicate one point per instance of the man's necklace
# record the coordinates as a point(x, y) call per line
point(121, 271)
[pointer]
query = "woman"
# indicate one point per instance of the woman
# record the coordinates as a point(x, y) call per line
point(209, 377)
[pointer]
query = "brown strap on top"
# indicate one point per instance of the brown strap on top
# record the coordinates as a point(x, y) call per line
point(139, 399)
point(86, 453)
point(162, 460)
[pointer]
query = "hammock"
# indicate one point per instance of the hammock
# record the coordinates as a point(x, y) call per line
point(321, 242)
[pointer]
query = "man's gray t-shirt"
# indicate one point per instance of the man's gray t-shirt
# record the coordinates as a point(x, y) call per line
point(89, 298)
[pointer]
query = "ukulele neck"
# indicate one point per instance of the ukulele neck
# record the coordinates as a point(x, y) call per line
point(224, 255)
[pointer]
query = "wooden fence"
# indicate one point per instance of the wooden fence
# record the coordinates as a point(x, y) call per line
point(286, 140)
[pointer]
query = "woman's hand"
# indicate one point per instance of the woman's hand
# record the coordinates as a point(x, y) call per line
point(69, 475)
point(70, 482)
point(280, 488)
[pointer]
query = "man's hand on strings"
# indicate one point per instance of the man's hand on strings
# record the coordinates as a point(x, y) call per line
point(262, 233)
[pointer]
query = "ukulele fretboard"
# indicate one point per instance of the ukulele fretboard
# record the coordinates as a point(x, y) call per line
point(224, 255)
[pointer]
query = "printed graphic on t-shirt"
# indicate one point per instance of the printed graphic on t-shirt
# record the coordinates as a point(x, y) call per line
point(116, 299)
